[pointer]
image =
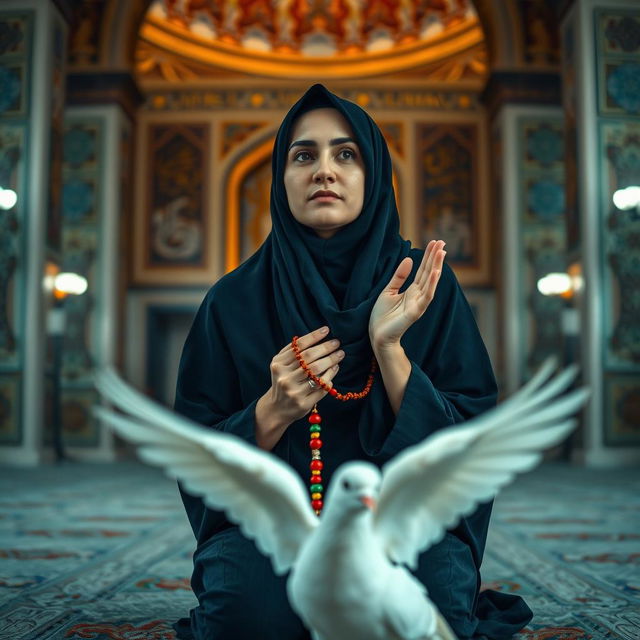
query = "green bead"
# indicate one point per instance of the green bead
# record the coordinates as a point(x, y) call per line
point(315, 427)
point(316, 488)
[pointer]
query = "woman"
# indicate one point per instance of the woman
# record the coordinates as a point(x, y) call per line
point(335, 272)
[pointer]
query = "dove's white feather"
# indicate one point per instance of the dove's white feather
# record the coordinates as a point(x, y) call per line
point(257, 491)
point(428, 487)
point(405, 611)
point(540, 389)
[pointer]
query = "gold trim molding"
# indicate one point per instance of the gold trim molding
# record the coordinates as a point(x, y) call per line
point(174, 99)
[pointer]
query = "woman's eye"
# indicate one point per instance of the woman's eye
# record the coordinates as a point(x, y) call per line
point(302, 156)
point(347, 154)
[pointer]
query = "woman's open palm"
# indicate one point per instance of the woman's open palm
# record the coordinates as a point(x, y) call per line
point(394, 312)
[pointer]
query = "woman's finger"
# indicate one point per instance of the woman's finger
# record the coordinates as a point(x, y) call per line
point(327, 377)
point(423, 262)
point(429, 258)
point(311, 338)
point(319, 351)
point(401, 274)
point(439, 246)
point(305, 341)
point(323, 364)
point(434, 278)
point(436, 266)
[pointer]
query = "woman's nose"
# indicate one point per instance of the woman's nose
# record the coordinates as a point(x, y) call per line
point(324, 171)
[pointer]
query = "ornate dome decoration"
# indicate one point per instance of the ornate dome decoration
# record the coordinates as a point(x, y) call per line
point(302, 39)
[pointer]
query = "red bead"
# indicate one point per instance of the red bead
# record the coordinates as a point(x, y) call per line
point(315, 418)
point(333, 392)
point(316, 464)
point(316, 505)
point(315, 443)
point(315, 479)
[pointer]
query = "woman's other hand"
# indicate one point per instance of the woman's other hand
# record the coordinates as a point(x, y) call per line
point(394, 312)
point(290, 396)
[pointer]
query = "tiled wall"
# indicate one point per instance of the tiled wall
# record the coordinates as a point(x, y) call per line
point(16, 45)
point(617, 47)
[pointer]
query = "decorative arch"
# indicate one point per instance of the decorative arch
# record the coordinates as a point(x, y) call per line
point(119, 33)
point(122, 20)
point(244, 164)
point(503, 32)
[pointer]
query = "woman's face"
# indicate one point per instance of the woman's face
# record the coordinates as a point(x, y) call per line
point(324, 174)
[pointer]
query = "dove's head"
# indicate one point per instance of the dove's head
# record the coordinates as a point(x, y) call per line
point(354, 487)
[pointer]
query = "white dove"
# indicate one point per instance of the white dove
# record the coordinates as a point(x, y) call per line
point(351, 561)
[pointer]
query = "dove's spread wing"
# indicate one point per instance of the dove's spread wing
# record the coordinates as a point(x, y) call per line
point(428, 487)
point(256, 490)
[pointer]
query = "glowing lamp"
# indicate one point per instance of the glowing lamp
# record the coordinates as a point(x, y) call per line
point(8, 198)
point(554, 284)
point(69, 284)
point(626, 199)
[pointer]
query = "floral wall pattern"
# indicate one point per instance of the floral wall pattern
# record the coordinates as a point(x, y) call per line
point(618, 75)
point(83, 160)
point(621, 258)
point(177, 214)
point(16, 42)
point(448, 189)
point(570, 105)
point(618, 47)
point(542, 225)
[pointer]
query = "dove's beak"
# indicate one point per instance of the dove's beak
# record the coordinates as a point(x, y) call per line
point(368, 502)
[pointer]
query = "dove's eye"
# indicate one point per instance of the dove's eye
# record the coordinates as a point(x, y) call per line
point(346, 484)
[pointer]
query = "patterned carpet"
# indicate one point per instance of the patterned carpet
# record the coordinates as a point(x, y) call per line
point(104, 552)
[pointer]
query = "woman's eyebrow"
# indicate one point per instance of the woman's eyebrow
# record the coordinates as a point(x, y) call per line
point(313, 143)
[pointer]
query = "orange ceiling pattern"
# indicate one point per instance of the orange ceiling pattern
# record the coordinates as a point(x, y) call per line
point(291, 38)
point(315, 27)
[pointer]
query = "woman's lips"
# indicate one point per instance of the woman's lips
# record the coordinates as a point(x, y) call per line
point(325, 196)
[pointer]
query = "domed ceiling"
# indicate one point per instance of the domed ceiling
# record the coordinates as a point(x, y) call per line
point(310, 39)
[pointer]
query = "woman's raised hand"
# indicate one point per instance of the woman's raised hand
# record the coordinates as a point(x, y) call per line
point(291, 396)
point(394, 312)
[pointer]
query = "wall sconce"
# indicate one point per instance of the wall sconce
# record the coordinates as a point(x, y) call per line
point(60, 286)
point(8, 198)
point(68, 283)
point(627, 199)
point(563, 285)
point(566, 285)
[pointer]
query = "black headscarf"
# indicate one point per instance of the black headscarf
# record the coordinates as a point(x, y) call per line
point(335, 281)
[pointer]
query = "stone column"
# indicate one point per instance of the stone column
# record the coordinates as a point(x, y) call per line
point(97, 177)
point(32, 58)
point(528, 188)
point(601, 49)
